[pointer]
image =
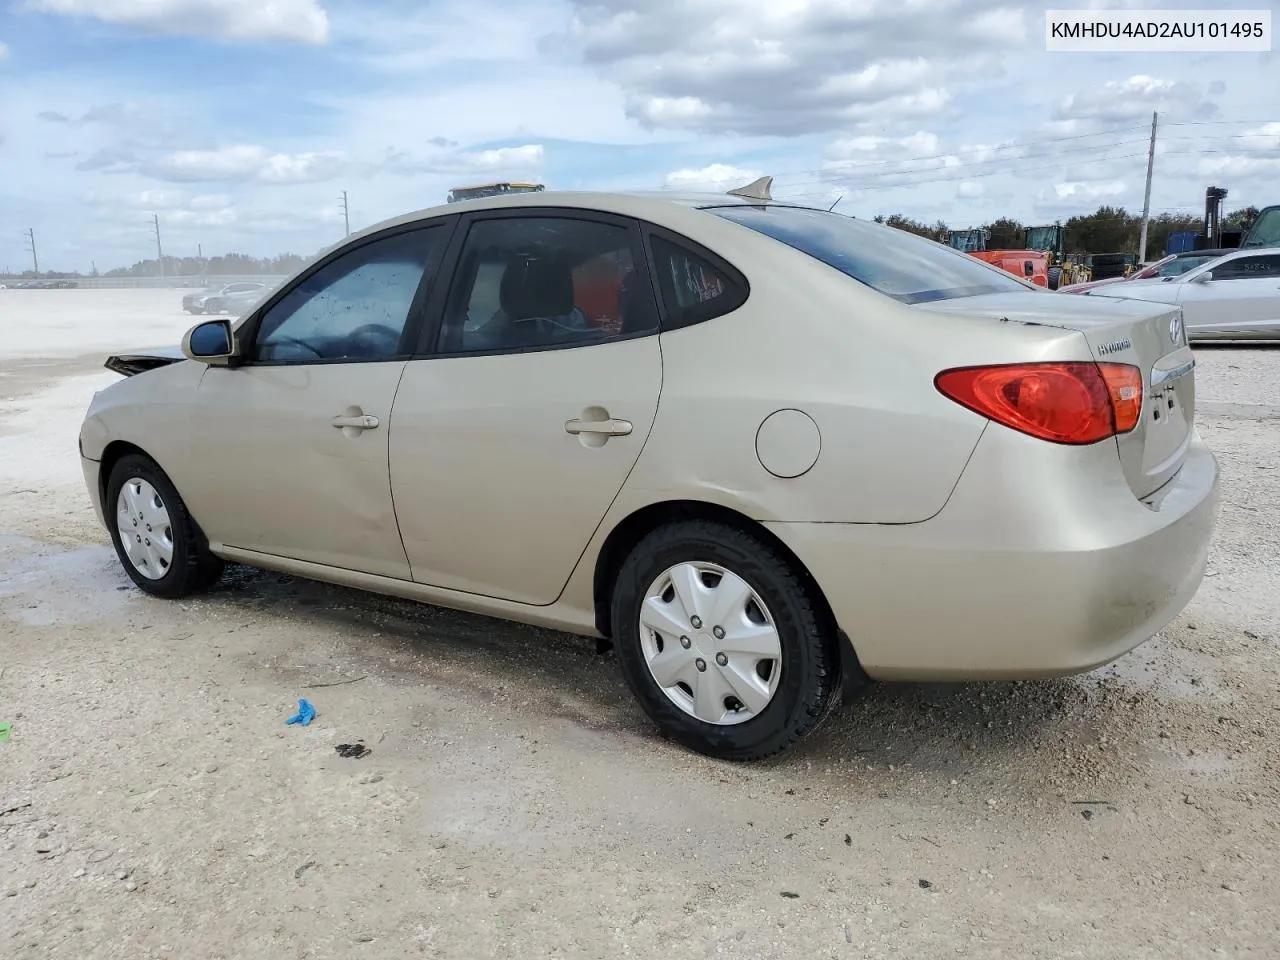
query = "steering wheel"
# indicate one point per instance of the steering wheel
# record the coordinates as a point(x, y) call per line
point(300, 343)
point(377, 339)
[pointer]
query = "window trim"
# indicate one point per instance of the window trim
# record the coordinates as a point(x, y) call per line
point(428, 346)
point(669, 318)
point(247, 335)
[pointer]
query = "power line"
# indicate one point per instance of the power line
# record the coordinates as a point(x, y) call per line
point(31, 245)
point(966, 171)
point(346, 216)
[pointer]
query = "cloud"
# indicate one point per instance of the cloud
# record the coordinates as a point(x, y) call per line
point(1239, 166)
point(52, 116)
point(114, 159)
point(717, 177)
point(1081, 196)
point(760, 67)
point(884, 161)
point(245, 163)
point(301, 21)
point(969, 190)
point(500, 160)
point(1136, 98)
point(4, 50)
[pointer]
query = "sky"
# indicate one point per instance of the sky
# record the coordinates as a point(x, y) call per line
point(238, 124)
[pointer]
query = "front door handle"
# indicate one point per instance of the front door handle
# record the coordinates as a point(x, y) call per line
point(605, 428)
point(365, 422)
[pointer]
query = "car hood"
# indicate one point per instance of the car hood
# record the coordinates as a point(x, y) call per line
point(139, 361)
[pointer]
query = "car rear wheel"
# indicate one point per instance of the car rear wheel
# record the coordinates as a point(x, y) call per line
point(160, 547)
point(722, 643)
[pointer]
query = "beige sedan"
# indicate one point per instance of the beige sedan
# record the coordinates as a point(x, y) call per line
point(772, 452)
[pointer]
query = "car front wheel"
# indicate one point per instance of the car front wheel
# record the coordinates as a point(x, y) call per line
point(160, 547)
point(722, 642)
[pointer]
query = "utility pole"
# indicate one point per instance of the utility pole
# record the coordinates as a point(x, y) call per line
point(1146, 200)
point(155, 218)
point(31, 243)
point(346, 215)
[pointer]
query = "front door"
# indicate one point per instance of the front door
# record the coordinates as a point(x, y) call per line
point(1242, 300)
point(510, 443)
point(295, 439)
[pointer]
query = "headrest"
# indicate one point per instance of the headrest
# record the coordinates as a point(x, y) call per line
point(536, 287)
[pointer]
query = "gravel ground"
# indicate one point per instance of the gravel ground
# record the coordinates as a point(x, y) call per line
point(153, 803)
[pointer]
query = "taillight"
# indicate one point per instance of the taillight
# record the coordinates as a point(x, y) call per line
point(1069, 402)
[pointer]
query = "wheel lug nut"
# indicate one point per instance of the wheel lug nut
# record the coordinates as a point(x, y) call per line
point(718, 632)
point(721, 659)
point(701, 665)
point(686, 642)
point(697, 622)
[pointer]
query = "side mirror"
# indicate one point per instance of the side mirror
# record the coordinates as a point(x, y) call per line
point(1204, 277)
point(210, 342)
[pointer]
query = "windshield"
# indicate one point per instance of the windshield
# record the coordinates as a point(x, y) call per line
point(1265, 231)
point(893, 262)
point(1176, 268)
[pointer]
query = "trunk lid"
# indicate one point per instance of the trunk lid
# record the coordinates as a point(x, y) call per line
point(1146, 334)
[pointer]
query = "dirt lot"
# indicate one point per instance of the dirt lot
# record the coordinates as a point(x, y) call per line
point(153, 802)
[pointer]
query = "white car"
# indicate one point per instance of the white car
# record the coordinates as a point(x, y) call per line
point(1235, 297)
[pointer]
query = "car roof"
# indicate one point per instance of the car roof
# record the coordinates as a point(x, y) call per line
point(653, 205)
point(1206, 253)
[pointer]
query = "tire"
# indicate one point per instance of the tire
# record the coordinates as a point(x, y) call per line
point(190, 567)
point(805, 675)
point(1055, 277)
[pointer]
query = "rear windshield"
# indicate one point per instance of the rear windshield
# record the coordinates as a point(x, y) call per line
point(891, 261)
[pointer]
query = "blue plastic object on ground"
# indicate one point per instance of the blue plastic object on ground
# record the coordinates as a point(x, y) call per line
point(306, 713)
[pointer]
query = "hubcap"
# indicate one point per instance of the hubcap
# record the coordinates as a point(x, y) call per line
point(710, 643)
point(145, 531)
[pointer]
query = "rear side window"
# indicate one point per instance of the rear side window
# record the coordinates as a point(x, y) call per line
point(893, 262)
point(693, 288)
point(1249, 268)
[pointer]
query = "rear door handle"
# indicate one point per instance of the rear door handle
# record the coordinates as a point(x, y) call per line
point(365, 422)
point(608, 428)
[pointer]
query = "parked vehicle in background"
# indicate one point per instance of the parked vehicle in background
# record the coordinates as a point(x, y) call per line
point(1031, 265)
point(229, 298)
point(1041, 260)
point(770, 451)
point(1264, 231)
point(1173, 265)
point(1235, 296)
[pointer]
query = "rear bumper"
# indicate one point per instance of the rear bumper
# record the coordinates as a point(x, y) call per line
point(1028, 572)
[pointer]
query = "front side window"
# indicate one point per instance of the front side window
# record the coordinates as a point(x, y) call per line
point(1248, 268)
point(530, 282)
point(353, 308)
point(893, 262)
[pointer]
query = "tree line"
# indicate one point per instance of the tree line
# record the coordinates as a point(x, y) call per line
point(1106, 230)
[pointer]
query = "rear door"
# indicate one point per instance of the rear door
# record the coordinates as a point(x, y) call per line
point(511, 439)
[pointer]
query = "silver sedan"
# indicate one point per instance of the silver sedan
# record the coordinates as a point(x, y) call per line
point(1235, 297)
